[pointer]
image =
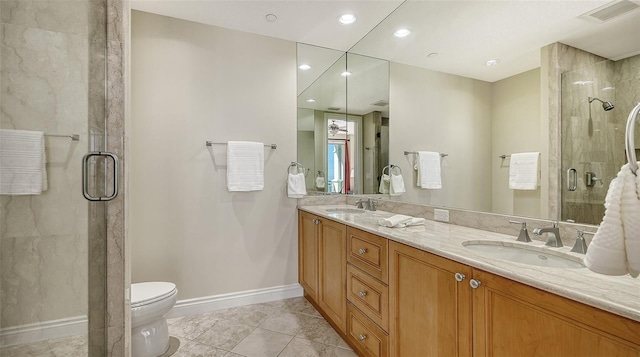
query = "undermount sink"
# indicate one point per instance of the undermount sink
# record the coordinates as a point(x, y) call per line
point(344, 210)
point(520, 253)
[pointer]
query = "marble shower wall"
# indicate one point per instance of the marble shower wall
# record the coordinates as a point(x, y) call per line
point(52, 62)
point(593, 139)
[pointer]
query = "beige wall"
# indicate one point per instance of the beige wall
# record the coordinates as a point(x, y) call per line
point(515, 127)
point(192, 83)
point(435, 111)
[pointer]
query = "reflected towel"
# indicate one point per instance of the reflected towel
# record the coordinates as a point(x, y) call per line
point(245, 166)
point(429, 175)
point(320, 182)
point(400, 221)
point(615, 249)
point(385, 182)
point(22, 162)
point(524, 171)
point(396, 188)
point(296, 187)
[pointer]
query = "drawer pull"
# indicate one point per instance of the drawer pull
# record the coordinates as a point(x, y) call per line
point(362, 250)
point(362, 293)
point(460, 276)
point(474, 283)
point(362, 337)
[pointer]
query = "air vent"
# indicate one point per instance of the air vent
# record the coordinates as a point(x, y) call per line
point(380, 103)
point(333, 109)
point(609, 11)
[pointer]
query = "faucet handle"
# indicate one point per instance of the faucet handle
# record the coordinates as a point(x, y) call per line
point(554, 224)
point(580, 245)
point(524, 234)
point(372, 204)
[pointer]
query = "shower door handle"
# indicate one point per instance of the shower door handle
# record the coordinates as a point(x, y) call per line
point(85, 175)
point(571, 172)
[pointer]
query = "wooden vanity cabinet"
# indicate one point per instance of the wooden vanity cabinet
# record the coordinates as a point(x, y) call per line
point(322, 263)
point(429, 310)
point(513, 319)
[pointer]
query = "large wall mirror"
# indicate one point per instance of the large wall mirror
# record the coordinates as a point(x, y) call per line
point(444, 95)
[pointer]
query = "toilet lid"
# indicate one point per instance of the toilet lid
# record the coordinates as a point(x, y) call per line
point(150, 292)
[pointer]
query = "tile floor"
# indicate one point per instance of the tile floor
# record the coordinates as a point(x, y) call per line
point(284, 328)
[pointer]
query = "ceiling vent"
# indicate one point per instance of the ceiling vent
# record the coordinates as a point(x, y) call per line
point(380, 103)
point(333, 109)
point(609, 11)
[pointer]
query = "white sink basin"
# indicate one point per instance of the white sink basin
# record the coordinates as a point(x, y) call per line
point(344, 210)
point(525, 254)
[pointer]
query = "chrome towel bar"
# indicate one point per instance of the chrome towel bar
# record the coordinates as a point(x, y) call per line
point(73, 137)
point(415, 152)
point(210, 143)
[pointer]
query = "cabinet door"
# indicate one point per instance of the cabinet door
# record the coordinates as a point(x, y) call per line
point(429, 310)
point(513, 319)
point(332, 297)
point(308, 228)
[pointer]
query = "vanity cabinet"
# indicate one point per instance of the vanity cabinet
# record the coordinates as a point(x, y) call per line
point(323, 276)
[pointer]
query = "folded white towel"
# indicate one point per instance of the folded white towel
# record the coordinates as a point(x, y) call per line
point(245, 166)
point(524, 171)
point(400, 221)
point(296, 187)
point(428, 166)
point(22, 162)
point(615, 249)
point(385, 182)
point(396, 187)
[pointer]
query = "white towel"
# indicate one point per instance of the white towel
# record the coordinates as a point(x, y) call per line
point(385, 182)
point(245, 166)
point(524, 171)
point(428, 166)
point(296, 187)
point(396, 187)
point(22, 162)
point(320, 182)
point(400, 221)
point(615, 249)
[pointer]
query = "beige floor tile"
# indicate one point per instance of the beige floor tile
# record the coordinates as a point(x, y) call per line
point(287, 322)
point(224, 335)
point(262, 343)
point(252, 315)
point(75, 346)
point(231, 354)
point(190, 327)
point(319, 330)
point(195, 349)
point(341, 352)
point(343, 344)
point(296, 305)
point(299, 347)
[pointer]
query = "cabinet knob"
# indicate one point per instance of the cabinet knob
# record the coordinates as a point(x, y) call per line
point(474, 283)
point(362, 250)
point(362, 293)
point(362, 337)
point(316, 221)
point(460, 276)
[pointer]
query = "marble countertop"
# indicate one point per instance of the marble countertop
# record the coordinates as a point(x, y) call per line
point(617, 294)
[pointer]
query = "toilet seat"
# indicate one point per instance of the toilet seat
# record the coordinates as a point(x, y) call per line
point(147, 293)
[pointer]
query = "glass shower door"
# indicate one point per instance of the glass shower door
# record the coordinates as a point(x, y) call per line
point(52, 239)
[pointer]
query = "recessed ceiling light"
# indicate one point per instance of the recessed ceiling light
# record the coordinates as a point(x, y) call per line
point(402, 33)
point(492, 62)
point(271, 17)
point(311, 100)
point(304, 67)
point(607, 89)
point(345, 74)
point(432, 54)
point(347, 19)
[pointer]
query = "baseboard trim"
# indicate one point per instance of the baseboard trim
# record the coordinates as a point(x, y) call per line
point(241, 298)
point(40, 331)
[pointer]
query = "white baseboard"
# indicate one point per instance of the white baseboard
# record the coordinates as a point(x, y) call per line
point(225, 301)
point(47, 330)
point(78, 325)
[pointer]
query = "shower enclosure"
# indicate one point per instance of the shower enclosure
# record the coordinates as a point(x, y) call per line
point(53, 244)
point(596, 101)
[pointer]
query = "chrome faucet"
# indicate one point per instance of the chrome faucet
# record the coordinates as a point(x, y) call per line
point(368, 204)
point(524, 234)
point(553, 237)
point(581, 245)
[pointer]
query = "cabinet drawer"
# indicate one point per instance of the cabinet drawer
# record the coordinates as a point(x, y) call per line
point(366, 336)
point(369, 253)
point(369, 295)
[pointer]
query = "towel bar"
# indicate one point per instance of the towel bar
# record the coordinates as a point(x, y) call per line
point(415, 152)
point(73, 137)
point(296, 165)
point(209, 143)
point(504, 156)
point(629, 140)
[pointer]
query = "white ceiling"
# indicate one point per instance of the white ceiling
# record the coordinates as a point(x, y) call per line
point(464, 33)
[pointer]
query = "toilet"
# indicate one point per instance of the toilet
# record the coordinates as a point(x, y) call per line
point(149, 303)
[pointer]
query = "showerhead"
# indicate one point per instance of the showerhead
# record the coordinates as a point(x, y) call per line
point(607, 106)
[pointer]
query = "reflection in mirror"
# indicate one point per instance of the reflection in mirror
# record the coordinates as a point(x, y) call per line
point(342, 121)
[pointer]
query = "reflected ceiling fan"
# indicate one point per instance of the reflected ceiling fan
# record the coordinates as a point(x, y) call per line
point(335, 128)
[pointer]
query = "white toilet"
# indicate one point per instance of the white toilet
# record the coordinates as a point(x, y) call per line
point(149, 303)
